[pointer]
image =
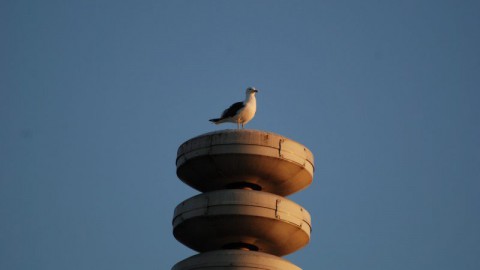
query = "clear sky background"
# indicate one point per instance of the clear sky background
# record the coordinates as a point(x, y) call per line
point(96, 96)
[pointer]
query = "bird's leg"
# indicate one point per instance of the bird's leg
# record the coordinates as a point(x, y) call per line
point(238, 126)
point(242, 126)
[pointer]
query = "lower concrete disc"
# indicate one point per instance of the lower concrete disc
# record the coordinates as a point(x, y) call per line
point(234, 260)
point(234, 219)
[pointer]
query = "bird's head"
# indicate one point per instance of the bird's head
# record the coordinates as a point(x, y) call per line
point(251, 90)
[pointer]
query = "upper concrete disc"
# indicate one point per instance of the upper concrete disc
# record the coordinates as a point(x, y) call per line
point(245, 158)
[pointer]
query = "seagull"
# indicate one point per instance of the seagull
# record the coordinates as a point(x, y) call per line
point(240, 112)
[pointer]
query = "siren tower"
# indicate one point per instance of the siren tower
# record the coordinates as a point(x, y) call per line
point(242, 220)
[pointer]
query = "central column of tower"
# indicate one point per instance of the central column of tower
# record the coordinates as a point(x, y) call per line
point(241, 220)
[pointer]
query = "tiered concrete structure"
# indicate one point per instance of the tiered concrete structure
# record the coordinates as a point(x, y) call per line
point(241, 221)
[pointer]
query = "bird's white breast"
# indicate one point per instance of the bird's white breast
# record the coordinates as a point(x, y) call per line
point(248, 111)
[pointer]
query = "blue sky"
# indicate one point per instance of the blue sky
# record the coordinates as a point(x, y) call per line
point(96, 96)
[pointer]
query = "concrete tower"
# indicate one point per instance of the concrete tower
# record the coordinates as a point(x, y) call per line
point(241, 221)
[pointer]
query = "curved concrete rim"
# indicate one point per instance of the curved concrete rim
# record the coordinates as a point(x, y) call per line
point(223, 202)
point(282, 146)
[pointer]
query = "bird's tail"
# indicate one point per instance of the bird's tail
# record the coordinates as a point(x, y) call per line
point(215, 120)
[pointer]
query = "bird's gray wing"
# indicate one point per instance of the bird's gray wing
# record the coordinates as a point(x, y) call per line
point(232, 110)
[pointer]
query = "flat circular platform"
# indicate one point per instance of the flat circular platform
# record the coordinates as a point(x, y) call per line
point(234, 260)
point(242, 219)
point(240, 158)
